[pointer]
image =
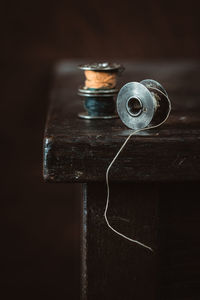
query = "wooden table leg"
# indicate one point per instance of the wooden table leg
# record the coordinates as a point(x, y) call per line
point(112, 267)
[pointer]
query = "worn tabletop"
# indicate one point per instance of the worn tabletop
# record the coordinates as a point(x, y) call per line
point(77, 150)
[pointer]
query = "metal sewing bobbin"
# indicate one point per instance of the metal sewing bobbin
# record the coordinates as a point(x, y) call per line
point(99, 97)
point(143, 104)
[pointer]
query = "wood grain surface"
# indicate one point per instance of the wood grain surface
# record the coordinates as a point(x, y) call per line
point(77, 150)
point(112, 267)
point(162, 215)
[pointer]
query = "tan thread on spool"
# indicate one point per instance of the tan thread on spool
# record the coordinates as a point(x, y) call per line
point(99, 80)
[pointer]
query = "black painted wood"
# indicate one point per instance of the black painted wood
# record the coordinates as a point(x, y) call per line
point(165, 216)
point(79, 150)
point(154, 187)
point(114, 268)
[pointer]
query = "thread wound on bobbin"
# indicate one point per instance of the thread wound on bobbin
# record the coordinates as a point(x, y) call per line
point(100, 80)
point(99, 90)
point(143, 104)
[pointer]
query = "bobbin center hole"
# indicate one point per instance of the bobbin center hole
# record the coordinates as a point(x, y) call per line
point(134, 106)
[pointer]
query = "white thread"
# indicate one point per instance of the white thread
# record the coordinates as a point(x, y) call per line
point(112, 162)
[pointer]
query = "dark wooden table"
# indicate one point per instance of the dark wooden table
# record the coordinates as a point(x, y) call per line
point(154, 186)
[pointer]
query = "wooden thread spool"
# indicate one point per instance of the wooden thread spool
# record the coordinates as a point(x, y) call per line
point(99, 90)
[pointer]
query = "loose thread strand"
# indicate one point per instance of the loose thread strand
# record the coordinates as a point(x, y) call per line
point(107, 177)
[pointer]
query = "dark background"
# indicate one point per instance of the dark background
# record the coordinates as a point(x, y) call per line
point(39, 251)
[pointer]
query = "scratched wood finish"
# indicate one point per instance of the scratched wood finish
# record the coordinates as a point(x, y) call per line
point(77, 150)
point(114, 268)
point(165, 216)
point(161, 214)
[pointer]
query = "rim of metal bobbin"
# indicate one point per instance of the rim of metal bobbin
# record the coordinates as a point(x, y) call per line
point(142, 104)
point(82, 91)
point(101, 66)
